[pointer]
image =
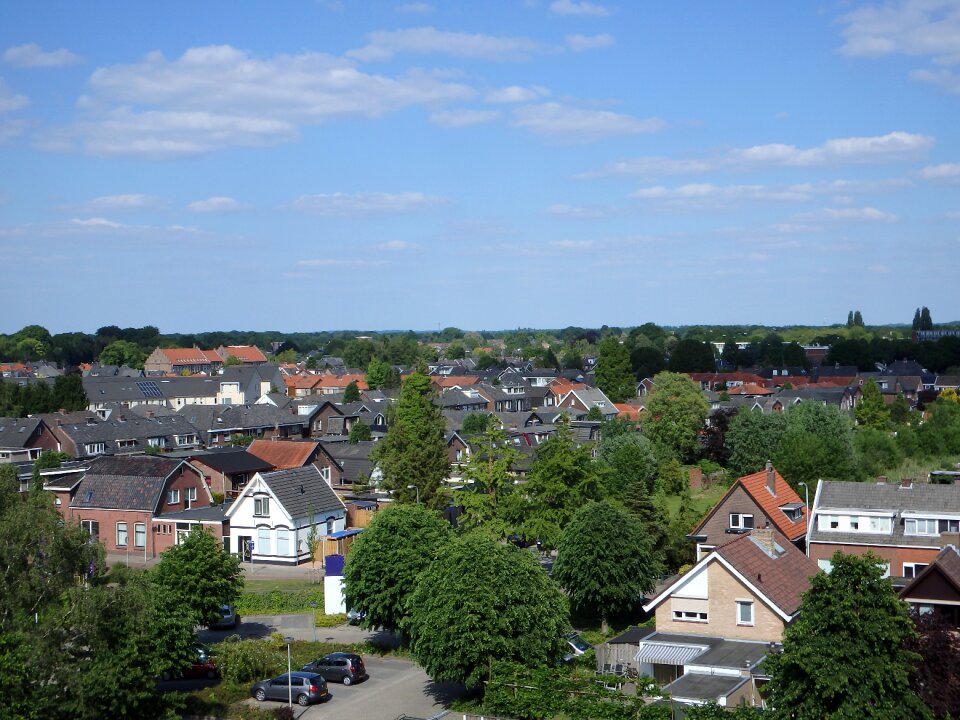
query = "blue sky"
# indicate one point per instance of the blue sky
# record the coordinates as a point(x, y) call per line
point(320, 165)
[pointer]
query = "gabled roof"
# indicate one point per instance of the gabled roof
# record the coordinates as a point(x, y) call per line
point(232, 460)
point(187, 356)
point(244, 353)
point(283, 454)
point(946, 564)
point(16, 432)
point(757, 487)
point(301, 491)
point(133, 482)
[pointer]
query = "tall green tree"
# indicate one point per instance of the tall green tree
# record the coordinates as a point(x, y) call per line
point(817, 443)
point(482, 601)
point(562, 478)
point(844, 656)
point(692, 356)
point(871, 411)
point(200, 576)
point(937, 677)
point(753, 438)
point(605, 561)
point(628, 459)
point(614, 372)
point(379, 375)
point(488, 477)
point(359, 432)
point(123, 352)
point(383, 564)
point(677, 413)
point(351, 393)
point(414, 451)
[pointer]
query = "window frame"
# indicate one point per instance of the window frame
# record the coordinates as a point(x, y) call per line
point(126, 534)
point(749, 605)
point(261, 506)
point(740, 521)
point(173, 497)
point(139, 531)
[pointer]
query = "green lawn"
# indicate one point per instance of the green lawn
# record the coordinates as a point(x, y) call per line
point(702, 501)
point(262, 586)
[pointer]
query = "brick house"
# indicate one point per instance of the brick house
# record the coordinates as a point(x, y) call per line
point(753, 501)
point(118, 501)
point(285, 454)
point(227, 470)
point(217, 425)
point(176, 361)
point(904, 524)
point(23, 439)
point(936, 588)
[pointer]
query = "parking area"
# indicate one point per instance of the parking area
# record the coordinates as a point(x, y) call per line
point(395, 687)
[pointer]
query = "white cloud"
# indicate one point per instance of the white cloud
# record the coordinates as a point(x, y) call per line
point(365, 203)
point(114, 203)
point(415, 8)
point(463, 118)
point(384, 44)
point(946, 80)
point(710, 195)
point(861, 214)
point(215, 204)
point(397, 245)
point(575, 212)
point(579, 43)
point(217, 96)
point(578, 7)
point(32, 55)
point(572, 124)
point(97, 223)
point(9, 102)
point(516, 94)
point(945, 172)
point(924, 28)
point(892, 147)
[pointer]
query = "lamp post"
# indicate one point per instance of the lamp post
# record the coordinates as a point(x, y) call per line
point(414, 487)
point(314, 606)
point(288, 640)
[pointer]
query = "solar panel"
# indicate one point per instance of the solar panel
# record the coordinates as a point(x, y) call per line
point(149, 389)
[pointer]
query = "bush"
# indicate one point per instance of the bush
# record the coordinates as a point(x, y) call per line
point(277, 602)
point(243, 661)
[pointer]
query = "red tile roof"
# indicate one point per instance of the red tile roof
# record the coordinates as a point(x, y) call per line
point(630, 412)
point(245, 353)
point(748, 389)
point(283, 454)
point(756, 487)
point(187, 356)
point(782, 576)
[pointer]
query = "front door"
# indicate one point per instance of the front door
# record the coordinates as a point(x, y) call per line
point(245, 546)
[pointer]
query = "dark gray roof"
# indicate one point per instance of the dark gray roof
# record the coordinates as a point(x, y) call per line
point(938, 500)
point(353, 459)
point(128, 426)
point(700, 686)
point(214, 418)
point(302, 490)
point(232, 460)
point(124, 483)
point(15, 432)
point(720, 652)
point(207, 513)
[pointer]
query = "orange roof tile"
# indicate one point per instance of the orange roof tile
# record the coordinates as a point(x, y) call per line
point(341, 381)
point(283, 454)
point(187, 356)
point(748, 389)
point(631, 412)
point(454, 381)
point(756, 487)
point(246, 353)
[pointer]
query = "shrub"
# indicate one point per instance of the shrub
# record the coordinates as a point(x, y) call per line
point(243, 661)
point(278, 602)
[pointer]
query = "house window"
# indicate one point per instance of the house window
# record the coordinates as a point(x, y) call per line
point(173, 497)
point(911, 570)
point(330, 523)
point(155, 442)
point(744, 612)
point(261, 506)
point(139, 535)
point(741, 521)
point(191, 494)
point(283, 541)
point(186, 439)
point(325, 473)
point(949, 525)
point(92, 527)
point(689, 616)
point(920, 526)
point(263, 541)
point(94, 448)
point(881, 525)
point(126, 443)
point(121, 534)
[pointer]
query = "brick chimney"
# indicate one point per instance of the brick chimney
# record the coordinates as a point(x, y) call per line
point(764, 536)
point(771, 479)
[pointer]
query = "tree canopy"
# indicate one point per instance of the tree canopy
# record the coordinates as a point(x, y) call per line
point(844, 656)
point(482, 601)
point(677, 412)
point(613, 372)
point(383, 564)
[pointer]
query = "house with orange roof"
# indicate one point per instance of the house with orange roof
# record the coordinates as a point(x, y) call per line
point(177, 361)
point(749, 390)
point(301, 385)
point(629, 412)
point(333, 384)
point(285, 454)
point(762, 499)
point(246, 354)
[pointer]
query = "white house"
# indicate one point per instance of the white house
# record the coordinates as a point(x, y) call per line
point(276, 510)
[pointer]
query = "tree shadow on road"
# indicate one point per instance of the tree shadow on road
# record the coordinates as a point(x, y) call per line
point(444, 693)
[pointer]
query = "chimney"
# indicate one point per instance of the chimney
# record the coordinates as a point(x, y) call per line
point(771, 479)
point(950, 538)
point(764, 537)
point(906, 483)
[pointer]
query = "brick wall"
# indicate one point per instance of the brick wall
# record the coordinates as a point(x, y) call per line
point(896, 556)
point(737, 502)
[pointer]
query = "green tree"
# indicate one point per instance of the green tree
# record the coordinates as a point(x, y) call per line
point(857, 319)
point(677, 413)
point(876, 450)
point(384, 563)
point(817, 443)
point(850, 319)
point(414, 451)
point(379, 375)
point(488, 477)
point(926, 322)
point(68, 394)
point(871, 411)
point(844, 656)
point(233, 361)
point(481, 601)
point(200, 576)
point(692, 356)
point(753, 438)
point(455, 351)
point(629, 459)
point(122, 352)
point(351, 393)
point(604, 561)
point(359, 432)
point(562, 478)
point(900, 410)
point(475, 423)
point(614, 373)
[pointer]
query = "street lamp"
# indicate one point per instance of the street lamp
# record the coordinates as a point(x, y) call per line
point(288, 640)
point(414, 487)
point(314, 606)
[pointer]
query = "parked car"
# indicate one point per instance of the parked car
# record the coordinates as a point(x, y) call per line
point(303, 687)
point(346, 668)
point(576, 646)
point(355, 616)
point(228, 618)
point(203, 664)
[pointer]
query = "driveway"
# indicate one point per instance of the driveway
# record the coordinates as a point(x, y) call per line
point(395, 687)
point(299, 627)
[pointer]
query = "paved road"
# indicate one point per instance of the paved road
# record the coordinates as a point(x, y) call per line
point(299, 627)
